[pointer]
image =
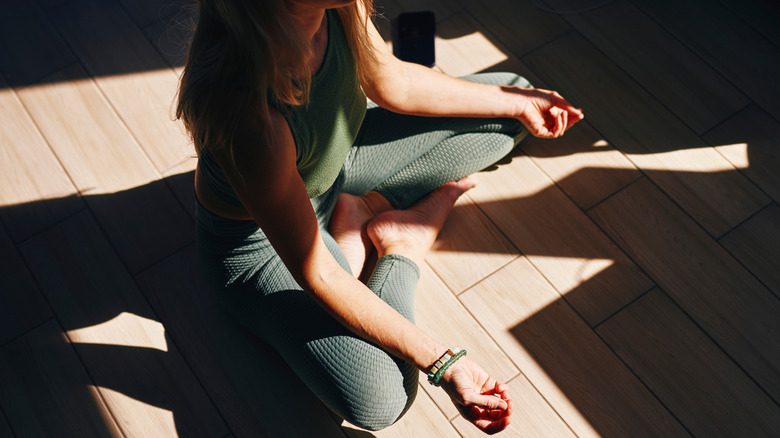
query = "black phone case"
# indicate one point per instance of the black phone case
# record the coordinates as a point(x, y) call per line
point(413, 37)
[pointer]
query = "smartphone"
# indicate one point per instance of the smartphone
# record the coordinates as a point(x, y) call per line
point(413, 37)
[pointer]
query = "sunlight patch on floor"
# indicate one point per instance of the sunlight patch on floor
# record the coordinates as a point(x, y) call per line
point(467, 54)
point(126, 329)
point(147, 420)
point(578, 269)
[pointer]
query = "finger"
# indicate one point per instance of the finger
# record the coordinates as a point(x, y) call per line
point(485, 401)
point(563, 103)
point(496, 427)
point(564, 121)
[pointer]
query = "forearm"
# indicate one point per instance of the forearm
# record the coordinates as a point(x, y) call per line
point(421, 91)
point(365, 314)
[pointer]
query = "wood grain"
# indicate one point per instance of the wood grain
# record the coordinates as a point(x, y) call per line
point(89, 288)
point(520, 26)
point(756, 244)
point(247, 380)
point(469, 248)
point(29, 46)
point(594, 393)
point(464, 47)
point(697, 94)
point(140, 214)
point(761, 15)
point(531, 415)
point(584, 165)
point(749, 141)
point(698, 178)
point(129, 71)
point(22, 306)
point(47, 392)
point(441, 315)
point(741, 54)
point(688, 372)
point(35, 191)
point(5, 429)
point(717, 292)
point(567, 248)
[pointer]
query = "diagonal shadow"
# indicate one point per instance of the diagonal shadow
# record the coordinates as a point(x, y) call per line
point(211, 365)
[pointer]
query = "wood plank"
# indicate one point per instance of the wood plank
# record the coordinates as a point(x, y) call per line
point(139, 213)
point(439, 313)
point(741, 54)
point(593, 275)
point(423, 420)
point(29, 46)
point(5, 429)
point(697, 94)
point(137, 370)
point(520, 26)
point(688, 372)
point(761, 15)
point(464, 47)
point(181, 180)
point(22, 306)
point(756, 244)
point(693, 174)
point(469, 247)
point(35, 191)
point(246, 379)
point(532, 416)
point(749, 140)
point(584, 165)
point(718, 293)
point(171, 37)
point(594, 393)
point(138, 83)
point(47, 392)
point(146, 12)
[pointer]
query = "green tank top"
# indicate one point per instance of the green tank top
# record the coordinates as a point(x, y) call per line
point(324, 129)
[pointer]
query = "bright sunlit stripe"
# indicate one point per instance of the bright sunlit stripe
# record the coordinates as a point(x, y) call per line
point(577, 270)
point(127, 329)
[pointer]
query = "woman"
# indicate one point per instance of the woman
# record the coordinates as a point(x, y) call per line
point(298, 182)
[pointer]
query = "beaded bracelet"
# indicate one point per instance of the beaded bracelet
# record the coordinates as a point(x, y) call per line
point(445, 361)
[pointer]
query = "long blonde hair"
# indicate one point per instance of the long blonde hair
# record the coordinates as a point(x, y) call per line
point(246, 54)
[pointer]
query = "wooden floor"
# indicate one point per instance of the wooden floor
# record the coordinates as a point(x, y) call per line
point(623, 279)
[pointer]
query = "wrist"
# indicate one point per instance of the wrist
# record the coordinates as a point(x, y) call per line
point(447, 360)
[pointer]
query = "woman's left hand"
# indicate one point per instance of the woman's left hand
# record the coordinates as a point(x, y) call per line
point(546, 113)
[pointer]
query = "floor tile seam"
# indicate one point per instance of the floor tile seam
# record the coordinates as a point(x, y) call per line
point(638, 379)
point(522, 375)
point(710, 338)
point(180, 351)
point(153, 312)
point(749, 24)
point(102, 92)
point(691, 48)
point(478, 322)
point(776, 293)
point(659, 286)
point(645, 89)
point(43, 137)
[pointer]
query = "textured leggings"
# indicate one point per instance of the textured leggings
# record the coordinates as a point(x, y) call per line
point(403, 158)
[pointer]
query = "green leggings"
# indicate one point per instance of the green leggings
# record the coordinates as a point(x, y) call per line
point(403, 158)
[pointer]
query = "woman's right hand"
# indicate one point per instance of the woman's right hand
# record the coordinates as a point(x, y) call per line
point(478, 397)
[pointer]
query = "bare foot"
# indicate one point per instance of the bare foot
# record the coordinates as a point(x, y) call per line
point(348, 225)
point(411, 232)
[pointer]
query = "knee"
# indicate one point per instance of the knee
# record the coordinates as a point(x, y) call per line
point(380, 410)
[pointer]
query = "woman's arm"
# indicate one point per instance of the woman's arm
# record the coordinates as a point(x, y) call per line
point(266, 181)
point(409, 88)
